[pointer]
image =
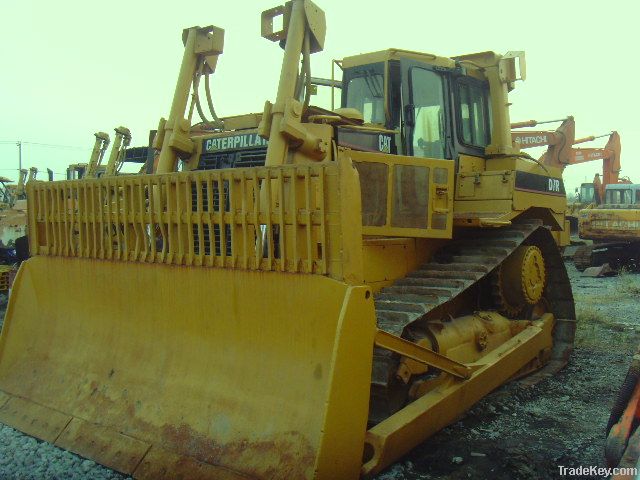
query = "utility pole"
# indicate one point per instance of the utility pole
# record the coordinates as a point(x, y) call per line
point(19, 143)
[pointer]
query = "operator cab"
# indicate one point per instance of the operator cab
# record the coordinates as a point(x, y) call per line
point(434, 107)
point(76, 171)
point(588, 194)
point(622, 194)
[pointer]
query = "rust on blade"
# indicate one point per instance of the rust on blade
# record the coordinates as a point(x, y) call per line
point(105, 445)
point(33, 419)
point(161, 464)
point(293, 452)
point(4, 398)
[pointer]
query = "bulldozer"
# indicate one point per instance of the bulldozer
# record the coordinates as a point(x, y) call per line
point(13, 220)
point(94, 168)
point(118, 151)
point(13, 227)
point(314, 294)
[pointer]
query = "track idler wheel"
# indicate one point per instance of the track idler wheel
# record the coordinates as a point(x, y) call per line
point(520, 280)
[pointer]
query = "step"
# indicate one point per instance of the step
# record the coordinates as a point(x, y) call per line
point(453, 274)
point(456, 267)
point(418, 290)
point(432, 282)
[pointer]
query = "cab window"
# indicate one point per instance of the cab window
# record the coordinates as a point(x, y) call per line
point(427, 94)
point(587, 193)
point(473, 114)
point(365, 92)
point(619, 196)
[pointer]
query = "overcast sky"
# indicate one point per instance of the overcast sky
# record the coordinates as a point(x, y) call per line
point(71, 68)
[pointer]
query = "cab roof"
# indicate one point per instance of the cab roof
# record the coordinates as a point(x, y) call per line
point(396, 54)
point(622, 186)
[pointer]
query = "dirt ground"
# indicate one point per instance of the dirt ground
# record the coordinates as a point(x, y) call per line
point(521, 432)
point(527, 432)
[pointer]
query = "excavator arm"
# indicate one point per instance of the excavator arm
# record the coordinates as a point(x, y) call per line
point(559, 142)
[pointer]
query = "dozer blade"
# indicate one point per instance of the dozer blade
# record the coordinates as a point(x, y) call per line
point(171, 372)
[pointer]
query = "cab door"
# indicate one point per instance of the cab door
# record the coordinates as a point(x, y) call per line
point(426, 111)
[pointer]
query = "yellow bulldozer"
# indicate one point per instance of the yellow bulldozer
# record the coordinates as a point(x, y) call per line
point(313, 295)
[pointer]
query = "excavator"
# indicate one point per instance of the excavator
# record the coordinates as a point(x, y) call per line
point(561, 153)
point(609, 214)
point(118, 152)
point(593, 193)
point(622, 447)
point(95, 168)
point(614, 228)
point(558, 142)
point(314, 294)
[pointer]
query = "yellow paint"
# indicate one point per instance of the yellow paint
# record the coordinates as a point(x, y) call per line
point(202, 367)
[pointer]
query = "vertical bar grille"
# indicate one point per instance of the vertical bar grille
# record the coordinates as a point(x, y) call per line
point(259, 218)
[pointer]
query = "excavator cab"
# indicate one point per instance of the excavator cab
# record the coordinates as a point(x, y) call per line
point(588, 194)
point(622, 194)
point(76, 171)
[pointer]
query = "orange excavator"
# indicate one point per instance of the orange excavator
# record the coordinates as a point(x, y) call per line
point(561, 153)
point(622, 448)
point(558, 142)
point(610, 156)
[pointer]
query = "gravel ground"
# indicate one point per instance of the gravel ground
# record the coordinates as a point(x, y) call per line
point(517, 432)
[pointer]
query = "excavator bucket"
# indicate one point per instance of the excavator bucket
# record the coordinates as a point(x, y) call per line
point(154, 362)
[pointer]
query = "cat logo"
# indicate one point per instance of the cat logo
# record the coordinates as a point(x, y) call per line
point(384, 143)
point(249, 140)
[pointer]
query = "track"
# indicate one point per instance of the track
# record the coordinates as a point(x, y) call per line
point(431, 292)
point(582, 257)
point(617, 254)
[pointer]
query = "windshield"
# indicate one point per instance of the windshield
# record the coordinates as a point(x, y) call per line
point(587, 193)
point(365, 93)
